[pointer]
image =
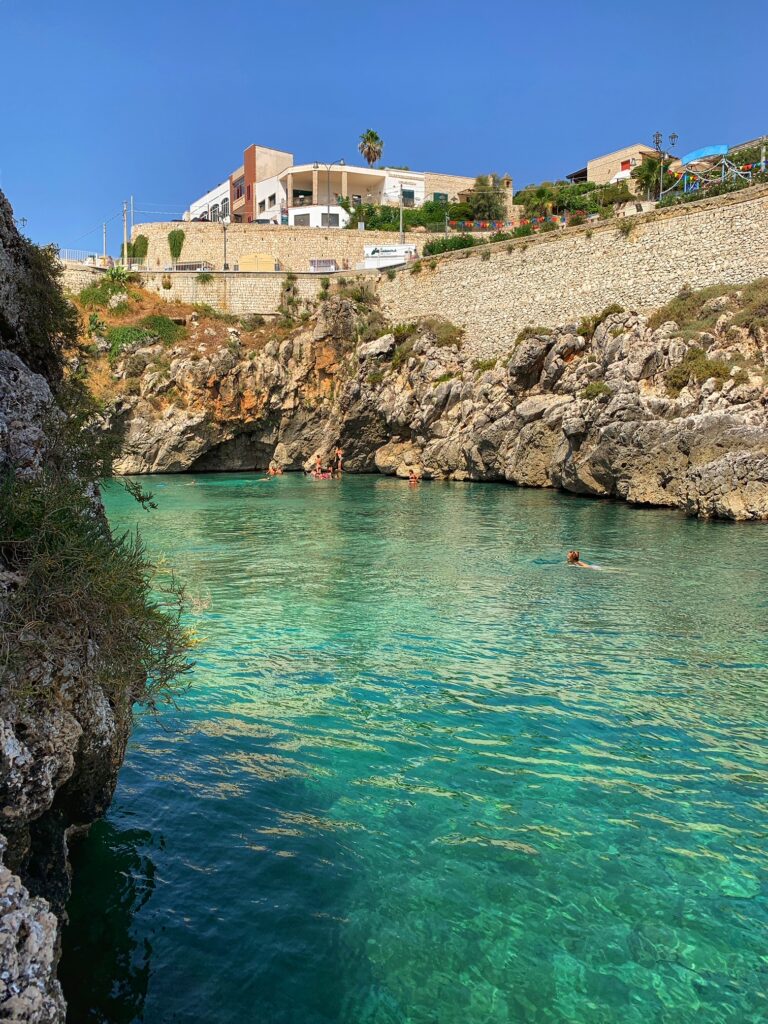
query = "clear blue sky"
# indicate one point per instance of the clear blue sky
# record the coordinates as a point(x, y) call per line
point(158, 99)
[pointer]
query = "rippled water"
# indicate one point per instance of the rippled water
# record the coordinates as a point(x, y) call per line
point(428, 774)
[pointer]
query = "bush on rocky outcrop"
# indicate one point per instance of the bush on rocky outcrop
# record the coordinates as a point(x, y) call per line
point(163, 328)
point(36, 321)
point(596, 389)
point(589, 324)
point(101, 294)
point(122, 337)
point(695, 366)
point(532, 332)
point(442, 332)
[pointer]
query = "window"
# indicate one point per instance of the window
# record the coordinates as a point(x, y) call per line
point(215, 212)
point(408, 197)
point(224, 209)
point(248, 194)
point(262, 206)
point(239, 188)
point(272, 200)
point(332, 223)
point(626, 164)
point(301, 220)
point(440, 197)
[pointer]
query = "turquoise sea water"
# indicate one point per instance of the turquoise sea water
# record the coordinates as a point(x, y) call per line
point(428, 774)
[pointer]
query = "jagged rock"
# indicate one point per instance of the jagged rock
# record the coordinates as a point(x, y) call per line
point(527, 360)
point(379, 347)
point(29, 990)
point(337, 319)
point(524, 421)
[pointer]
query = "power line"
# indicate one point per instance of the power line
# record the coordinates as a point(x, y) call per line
point(100, 227)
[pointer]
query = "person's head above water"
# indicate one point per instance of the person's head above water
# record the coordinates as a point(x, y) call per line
point(573, 556)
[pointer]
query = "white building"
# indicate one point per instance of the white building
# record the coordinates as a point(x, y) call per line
point(214, 205)
point(268, 188)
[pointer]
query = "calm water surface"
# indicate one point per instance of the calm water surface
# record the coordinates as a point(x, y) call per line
point(427, 774)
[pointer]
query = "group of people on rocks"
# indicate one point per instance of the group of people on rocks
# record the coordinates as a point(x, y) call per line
point(333, 469)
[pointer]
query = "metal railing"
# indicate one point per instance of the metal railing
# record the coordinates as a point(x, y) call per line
point(80, 256)
point(142, 263)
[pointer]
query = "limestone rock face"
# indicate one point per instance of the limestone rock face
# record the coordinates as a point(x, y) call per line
point(59, 758)
point(29, 991)
point(590, 415)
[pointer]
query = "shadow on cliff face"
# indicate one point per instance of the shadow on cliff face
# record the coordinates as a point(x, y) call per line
point(104, 969)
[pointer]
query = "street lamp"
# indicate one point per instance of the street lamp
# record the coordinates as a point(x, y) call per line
point(658, 138)
point(316, 167)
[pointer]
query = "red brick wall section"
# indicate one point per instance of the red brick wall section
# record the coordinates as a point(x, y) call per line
point(249, 163)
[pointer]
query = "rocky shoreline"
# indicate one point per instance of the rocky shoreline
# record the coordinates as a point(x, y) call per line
point(587, 409)
point(62, 736)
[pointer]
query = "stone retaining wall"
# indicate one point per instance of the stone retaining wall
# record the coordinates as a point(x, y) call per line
point(77, 276)
point(293, 247)
point(233, 292)
point(561, 276)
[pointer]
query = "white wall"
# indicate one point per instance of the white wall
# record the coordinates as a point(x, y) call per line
point(203, 204)
point(316, 215)
point(413, 181)
point(264, 189)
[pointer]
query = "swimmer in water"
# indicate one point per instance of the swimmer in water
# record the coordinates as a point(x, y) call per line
point(574, 559)
point(413, 478)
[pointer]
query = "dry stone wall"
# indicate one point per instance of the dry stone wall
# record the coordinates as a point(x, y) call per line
point(293, 247)
point(233, 292)
point(559, 277)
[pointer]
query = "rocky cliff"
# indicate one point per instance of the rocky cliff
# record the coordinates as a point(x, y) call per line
point(62, 734)
point(615, 407)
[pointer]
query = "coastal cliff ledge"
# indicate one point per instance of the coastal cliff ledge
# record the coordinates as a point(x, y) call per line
point(79, 633)
point(644, 409)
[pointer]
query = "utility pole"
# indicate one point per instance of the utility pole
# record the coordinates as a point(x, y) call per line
point(131, 216)
point(402, 236)
point(104, 243)
point(125, 233)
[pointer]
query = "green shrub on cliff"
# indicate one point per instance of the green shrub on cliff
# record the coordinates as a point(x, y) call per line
point(589, 324)
point(402, 354)
point(696, 366)
point(163, 328)
point(443, 332)
point(98, 295)
point(123, 337)
point(111, 603)
point(596, 389)
point(532, 332)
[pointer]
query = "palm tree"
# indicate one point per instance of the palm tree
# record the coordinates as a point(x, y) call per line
point(646, 174)
point(371, 146)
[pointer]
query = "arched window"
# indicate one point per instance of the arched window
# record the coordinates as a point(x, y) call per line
point(215, 211)
point(224, 209)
